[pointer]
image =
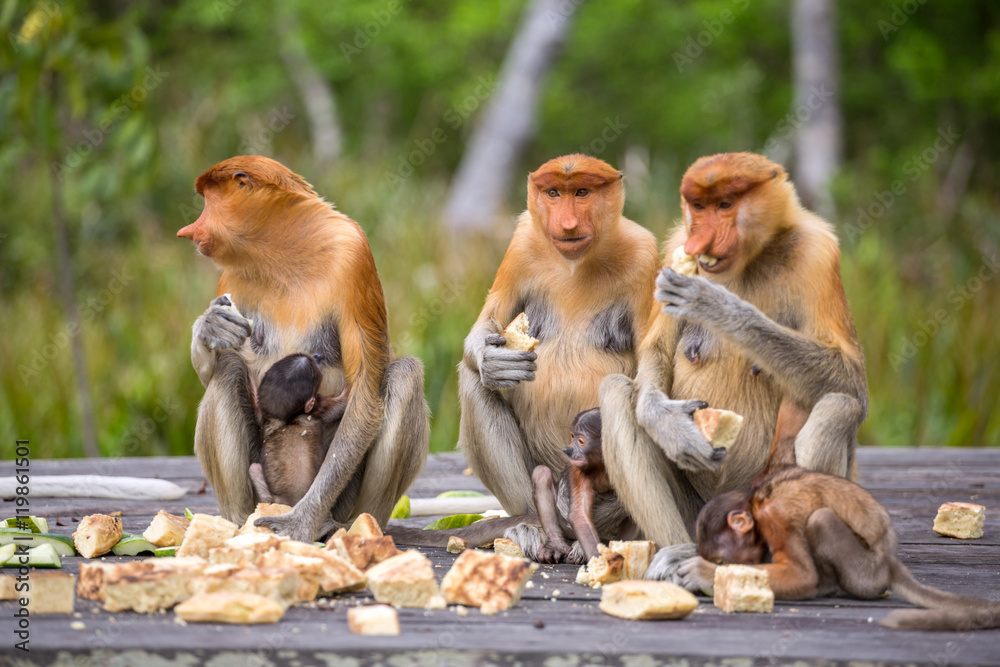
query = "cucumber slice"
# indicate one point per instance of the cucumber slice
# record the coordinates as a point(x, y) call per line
point(63, 544)
point(132, 545)
point(460, 494)
point(36, 524)
point(187, 514)
point(7, 552)
point(44, 555)
point(454, 521)
point(165, 552)
point(402, 509)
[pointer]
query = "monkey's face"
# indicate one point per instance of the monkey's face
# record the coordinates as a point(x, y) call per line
point(219, 223)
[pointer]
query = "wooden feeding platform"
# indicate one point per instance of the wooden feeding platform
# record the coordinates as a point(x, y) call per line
point(557, 623)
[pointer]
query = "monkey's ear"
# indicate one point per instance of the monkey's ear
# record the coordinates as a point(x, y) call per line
point(740, 521)
point(243, 179)
point(310, 404)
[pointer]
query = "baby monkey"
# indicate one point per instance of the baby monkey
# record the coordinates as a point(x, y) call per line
point(292, 415)
point(816, 535)
point(583, 506)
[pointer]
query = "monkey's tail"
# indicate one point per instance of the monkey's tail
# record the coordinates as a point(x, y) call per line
point(945, 611)
point(475, 534)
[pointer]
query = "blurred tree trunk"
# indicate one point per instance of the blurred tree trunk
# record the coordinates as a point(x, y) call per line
point(498, 139)
point(819, 140)
point(316, 93)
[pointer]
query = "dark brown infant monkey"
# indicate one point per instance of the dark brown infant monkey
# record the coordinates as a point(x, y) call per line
point(584, 495)
point(292, 415)
point(817, 534)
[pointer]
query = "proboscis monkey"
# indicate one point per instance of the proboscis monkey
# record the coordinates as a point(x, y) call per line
point(583, 275)
point(763, 330)
point(304, 273)
point(817, 535)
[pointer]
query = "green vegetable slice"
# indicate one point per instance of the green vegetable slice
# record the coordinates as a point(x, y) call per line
point(7, 552)
point(460, 494)
point(63, 544)
point(402, 509)
point(44, 555)
point(187, 514)
point(165, 552)
point(132, 545)
point(454, 521)
point(36, 524)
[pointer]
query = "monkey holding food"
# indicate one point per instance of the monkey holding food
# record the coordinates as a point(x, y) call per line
point(817, 534)
point(292, 416)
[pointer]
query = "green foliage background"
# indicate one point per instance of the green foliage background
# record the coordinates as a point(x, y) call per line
point(128, 102)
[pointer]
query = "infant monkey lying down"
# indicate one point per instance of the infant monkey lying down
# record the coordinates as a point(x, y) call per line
point(292, 416)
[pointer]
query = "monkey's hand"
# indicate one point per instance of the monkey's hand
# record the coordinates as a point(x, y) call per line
point(667, 562)
point(696, 575)
point(695, 298)
point(219, 328)
point(500, 368)
point(294, 525)
point(668, 422)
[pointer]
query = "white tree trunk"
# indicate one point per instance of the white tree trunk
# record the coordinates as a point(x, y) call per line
point(508, 121)
point(819, 139)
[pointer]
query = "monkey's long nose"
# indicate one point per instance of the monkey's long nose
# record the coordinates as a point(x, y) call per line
point(187, 232)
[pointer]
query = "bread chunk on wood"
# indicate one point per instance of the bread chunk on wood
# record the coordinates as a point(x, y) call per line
point(643, 600)
point(962, 520)
point(493, 582)
point(96, 534)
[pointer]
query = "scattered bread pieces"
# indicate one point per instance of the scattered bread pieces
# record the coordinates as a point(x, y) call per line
point(374, 619)
point(337, 575)
point(456, 545)
point(365, 526)
point(642, 600)
point(683, 263)
point(493, 582)
point(279, 585)
point(7, 590)
point(743, 588)
point(602, 569)
point(90, 582)
point(962, 520)
point(502, 545)
point(149, 585)
point(362, 552)
point(310, 571)
point(229, 607)
point(96, 534)
point(517, 335)
point(166, 530)
point(51, 592)
point(720, 427)
point(205, 532)
point(638, 554)
point(263, 509)
point(406, 580)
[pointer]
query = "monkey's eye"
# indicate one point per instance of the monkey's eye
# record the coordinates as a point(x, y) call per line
point(552, 192)
point(698, 207)
point(582, 192)
point(725, 204)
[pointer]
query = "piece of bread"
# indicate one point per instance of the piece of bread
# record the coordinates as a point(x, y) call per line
point(149, 585)
point(502, 545)
point(517, 335)
point(365, 526)
point(7, 587)
point(279, 585)
point(605, 568)
point(206, 531)
point(720, 427)
point(229, 607)
point(50, 592)
point(406, 580)
point(643, 600)
point(743, 588)
point(166, 530)
point(257, 542)
point(493, 582)
point(456, 545)
point(96, 534)
point(373, 619)
point(310, 571)
point(683, 263)
point(962, 520)
point(263, 509)
point(90, 580)
point(337, 575)
point(362, 552)
point(638, 554)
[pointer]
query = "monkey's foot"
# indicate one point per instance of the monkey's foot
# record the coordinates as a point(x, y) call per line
point(291, 525)
point(530, 538)
point(667, 562)
point(576, 555)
